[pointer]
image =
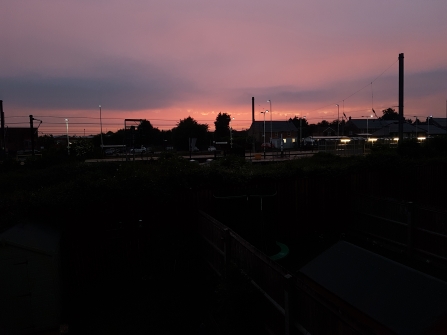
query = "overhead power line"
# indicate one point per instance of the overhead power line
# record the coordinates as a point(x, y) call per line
point(361, 89)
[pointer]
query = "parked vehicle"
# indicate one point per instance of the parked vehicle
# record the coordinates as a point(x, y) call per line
point(141, 150)
point(110, 151)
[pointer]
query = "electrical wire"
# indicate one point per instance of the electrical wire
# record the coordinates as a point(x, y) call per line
point(361, 89)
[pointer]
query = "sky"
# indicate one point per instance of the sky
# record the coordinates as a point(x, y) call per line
point(165, 60)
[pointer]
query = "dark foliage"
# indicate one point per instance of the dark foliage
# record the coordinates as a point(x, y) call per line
point(222, 127)
point(185, 130)
point(83, 199)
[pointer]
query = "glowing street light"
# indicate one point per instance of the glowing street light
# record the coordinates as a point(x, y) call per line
point(416, 126)
point(265, 112)
point(231, 134)
point(271, 123)
point(301, 119)
point(68, 139)
point(428, 128)
point(367, 118)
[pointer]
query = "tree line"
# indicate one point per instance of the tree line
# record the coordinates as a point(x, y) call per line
point(145, 134)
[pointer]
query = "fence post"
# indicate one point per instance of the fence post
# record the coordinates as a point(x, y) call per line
point(288, 304)
point(227, 251)
point(410, 228)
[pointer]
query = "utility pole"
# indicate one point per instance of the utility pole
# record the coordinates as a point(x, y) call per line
point(32, 133)
point(301, 129)
point(271, 123)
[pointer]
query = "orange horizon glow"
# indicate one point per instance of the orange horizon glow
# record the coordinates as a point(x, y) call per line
point(166, 61)
point(88, 123)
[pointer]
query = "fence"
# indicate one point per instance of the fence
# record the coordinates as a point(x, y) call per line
point(417, 233)
point(304, 305)
point(340, 148)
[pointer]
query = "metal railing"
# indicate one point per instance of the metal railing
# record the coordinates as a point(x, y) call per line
point(304, 305)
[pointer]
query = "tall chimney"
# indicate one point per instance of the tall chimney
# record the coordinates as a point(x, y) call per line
point(252, 109)
point(401, 97)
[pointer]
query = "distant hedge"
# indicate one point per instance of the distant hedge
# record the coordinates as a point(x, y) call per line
point(37, 189)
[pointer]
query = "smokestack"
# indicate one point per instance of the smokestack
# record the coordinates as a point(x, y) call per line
point(401, 97)
point(252, 109)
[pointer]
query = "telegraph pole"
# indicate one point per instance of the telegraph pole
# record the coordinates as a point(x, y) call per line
point(32, 134)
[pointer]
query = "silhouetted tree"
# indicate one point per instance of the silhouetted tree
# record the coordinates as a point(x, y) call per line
point(296, 122)
point(163, 138)
point(46, 141)
point(188, 128)
point(389, 114)
point(415, 122)
point(222, 126)
point(304, 125)
point(110, 137)
point(324, 124)
point(145, 133)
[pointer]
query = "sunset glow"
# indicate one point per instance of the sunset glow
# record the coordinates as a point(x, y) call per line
point(166, 60)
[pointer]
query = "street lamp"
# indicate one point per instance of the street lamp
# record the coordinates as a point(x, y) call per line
point(231, 134)
point(415, 126)
point(265, 112)
point(100, 123)
point(271, 123)
point(301, 119)
point(367, 118)
point(338, 119)
point(428, 128)
point(68, 139)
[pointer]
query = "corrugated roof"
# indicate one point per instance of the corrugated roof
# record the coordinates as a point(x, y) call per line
point(394, 128)
point(370, 122)
point(440, 121)
point(434, 130)
point(34, 237)
point(402, 299)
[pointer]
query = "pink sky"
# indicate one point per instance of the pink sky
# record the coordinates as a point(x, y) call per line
point(167, 60)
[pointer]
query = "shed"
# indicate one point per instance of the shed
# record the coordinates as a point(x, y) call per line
point(402, 299)
point(29, 277)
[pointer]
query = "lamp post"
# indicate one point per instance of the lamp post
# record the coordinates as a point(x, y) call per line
point(428, 128)
point(338, 119)
point(301, 119)
point(265, 112)
point(68, 139)
point(415, 126)
point(271, 123)
point(231, 134)
point(100, 124)
point(367, 117)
